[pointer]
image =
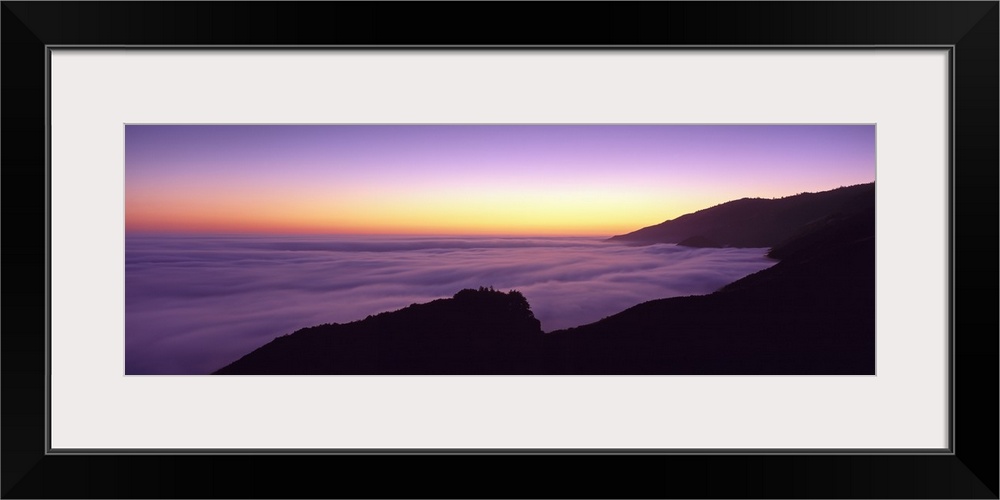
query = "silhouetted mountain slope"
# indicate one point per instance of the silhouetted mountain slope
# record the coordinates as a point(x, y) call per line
point(475, 332)
point(699, 242)
point(811, 313)
point(754, 222)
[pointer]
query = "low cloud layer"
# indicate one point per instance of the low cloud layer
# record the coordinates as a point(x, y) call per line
point(195, 304)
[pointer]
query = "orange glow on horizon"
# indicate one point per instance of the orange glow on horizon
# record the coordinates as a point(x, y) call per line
point(524, 215)
point(470, 179)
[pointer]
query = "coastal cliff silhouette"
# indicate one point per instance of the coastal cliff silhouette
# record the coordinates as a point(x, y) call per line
point(811, 313)
point(753, 222)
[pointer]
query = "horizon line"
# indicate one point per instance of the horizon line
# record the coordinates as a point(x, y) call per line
point(128, 232)
point(448, 234)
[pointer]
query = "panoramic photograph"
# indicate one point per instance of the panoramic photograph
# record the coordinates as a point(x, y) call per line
point(500, 249)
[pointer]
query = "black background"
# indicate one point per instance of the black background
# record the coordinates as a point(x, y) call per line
point(972, 472)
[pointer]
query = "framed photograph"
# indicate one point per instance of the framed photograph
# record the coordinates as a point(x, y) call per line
point(287, 235)
point(391, 239)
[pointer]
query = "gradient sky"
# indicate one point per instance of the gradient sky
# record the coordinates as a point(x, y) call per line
point(596, 180)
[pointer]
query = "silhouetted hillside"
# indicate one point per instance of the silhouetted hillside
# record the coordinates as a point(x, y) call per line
point(754, 222)
point(811, 313)
point(699, 242)
point(475, 332)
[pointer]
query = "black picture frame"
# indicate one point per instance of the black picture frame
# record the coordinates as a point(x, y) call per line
point(970, 470)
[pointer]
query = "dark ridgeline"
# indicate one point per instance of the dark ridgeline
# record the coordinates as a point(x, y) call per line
point(475, 332)
point(751, 222)
point(811, 313)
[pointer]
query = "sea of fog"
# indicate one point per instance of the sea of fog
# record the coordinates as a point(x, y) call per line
point(195, 304)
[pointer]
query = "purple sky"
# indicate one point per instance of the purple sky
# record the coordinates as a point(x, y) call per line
point(470, 179)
